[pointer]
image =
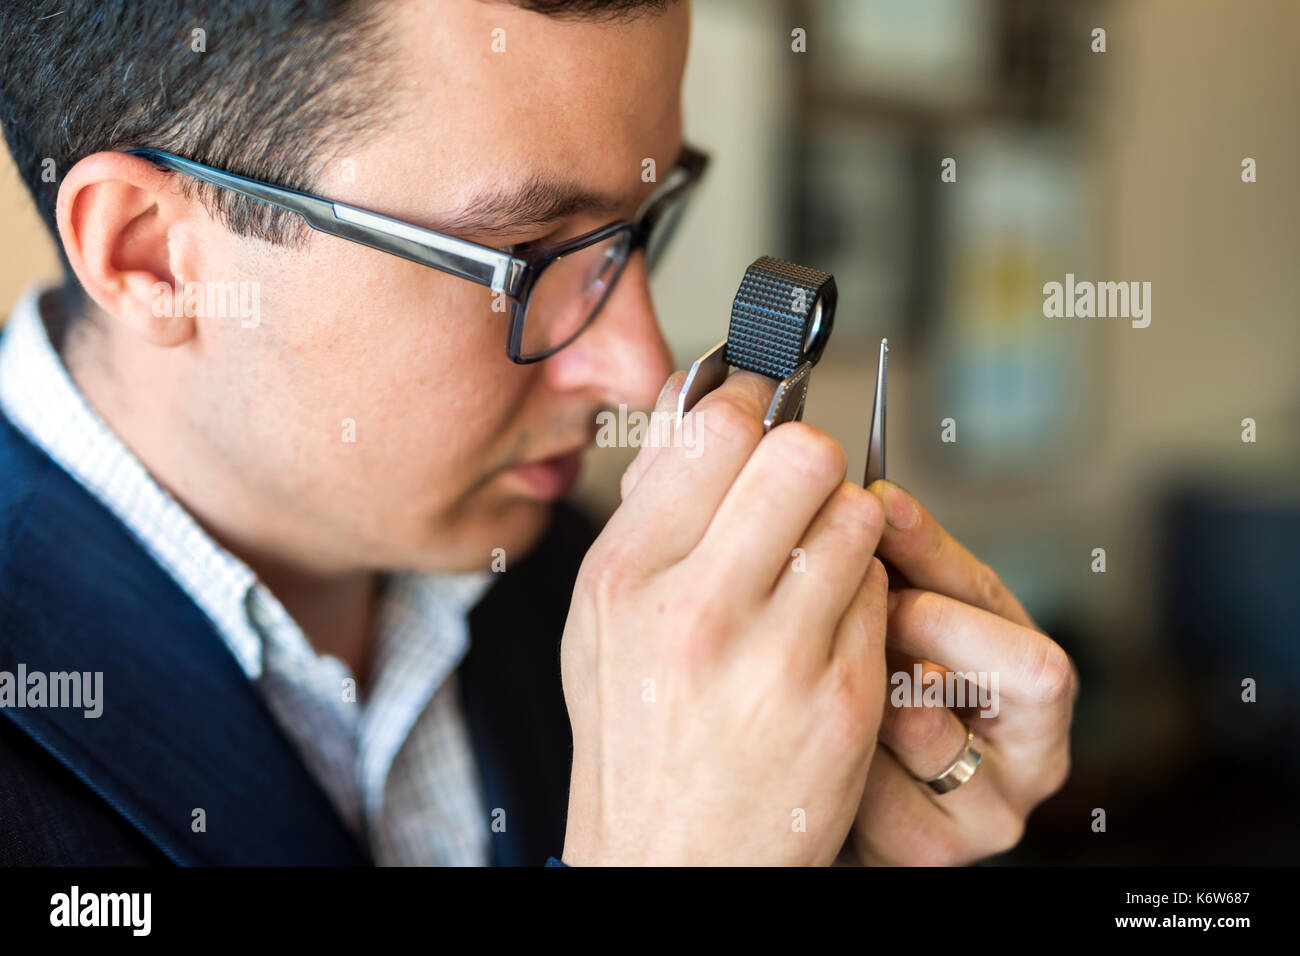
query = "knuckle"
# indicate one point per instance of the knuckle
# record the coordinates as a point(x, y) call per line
point(602, 582)
point(941, 847)
point(809, 450)
point(579, 652)
point(627, 480)
point(726, 421)
point(1052, 673)
point(849, 525)
point(696, 628)
point(1057, 773)
point(847, 717)
point(692, 620)
point(925, 611)
point(1007, 832)
point(931, 542)
point(923, 730)
point(856, 511)
point(877, 578)
point(988, 587)
point(607, 571)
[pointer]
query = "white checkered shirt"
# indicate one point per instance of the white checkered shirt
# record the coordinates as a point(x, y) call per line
point(397, 762)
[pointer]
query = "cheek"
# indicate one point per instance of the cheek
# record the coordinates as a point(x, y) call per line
point(375, 402)
point(416, 362)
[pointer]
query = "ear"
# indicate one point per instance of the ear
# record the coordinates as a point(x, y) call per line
point(120, 219)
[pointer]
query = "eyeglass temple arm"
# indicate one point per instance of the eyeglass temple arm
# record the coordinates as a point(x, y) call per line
point(482, 264)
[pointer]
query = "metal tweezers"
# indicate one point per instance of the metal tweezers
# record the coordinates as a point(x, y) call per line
point(876, 438)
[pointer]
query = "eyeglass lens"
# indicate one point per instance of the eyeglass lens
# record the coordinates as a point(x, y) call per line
point(572, 289)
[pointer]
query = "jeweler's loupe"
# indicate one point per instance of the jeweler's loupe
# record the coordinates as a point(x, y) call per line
point(781, 320)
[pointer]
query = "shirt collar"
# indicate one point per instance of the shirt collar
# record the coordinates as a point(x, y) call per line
point(41, 400)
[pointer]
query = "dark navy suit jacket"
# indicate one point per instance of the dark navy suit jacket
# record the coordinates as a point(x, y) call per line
point(183, 728)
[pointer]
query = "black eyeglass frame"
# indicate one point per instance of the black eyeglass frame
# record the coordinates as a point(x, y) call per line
point(499, 269)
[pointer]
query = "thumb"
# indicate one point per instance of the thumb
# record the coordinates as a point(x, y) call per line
point(662, 424)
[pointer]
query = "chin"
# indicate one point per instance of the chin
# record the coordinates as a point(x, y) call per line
point(470, 544)
point(522, 526)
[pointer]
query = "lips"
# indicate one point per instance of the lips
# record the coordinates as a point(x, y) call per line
point(550, 478)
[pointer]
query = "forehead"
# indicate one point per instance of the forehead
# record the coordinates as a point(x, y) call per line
point(488, 96)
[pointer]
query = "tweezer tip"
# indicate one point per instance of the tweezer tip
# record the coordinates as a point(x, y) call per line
point(884, 344)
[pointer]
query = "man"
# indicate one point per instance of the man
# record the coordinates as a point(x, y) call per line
point(274, 527)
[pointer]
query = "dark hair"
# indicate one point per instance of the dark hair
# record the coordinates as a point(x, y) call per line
point(280, 88)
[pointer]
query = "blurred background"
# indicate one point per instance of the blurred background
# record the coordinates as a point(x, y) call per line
point(1071, 434)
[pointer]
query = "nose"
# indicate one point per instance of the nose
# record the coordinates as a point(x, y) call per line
point(623, 357)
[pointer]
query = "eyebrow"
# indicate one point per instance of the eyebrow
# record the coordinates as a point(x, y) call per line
point(539, 201)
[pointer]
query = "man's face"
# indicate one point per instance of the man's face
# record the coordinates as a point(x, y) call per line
point(457, 449)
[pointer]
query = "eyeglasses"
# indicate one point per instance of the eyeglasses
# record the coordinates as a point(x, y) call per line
point(555, 291)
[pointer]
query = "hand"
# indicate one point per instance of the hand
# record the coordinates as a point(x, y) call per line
point(957, 615)
point(725, 705)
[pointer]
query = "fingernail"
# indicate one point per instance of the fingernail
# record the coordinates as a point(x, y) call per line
point(901, 511)
point(670, 390)
point(663, 392)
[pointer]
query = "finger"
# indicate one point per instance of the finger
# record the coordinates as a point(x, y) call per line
point(826, 569)
point(1016, 664)
point(665, 514)
point(859, 640)
point(897, 824)
point(664, 414)
point(1034, 741)
point(910, 681)
point(928, 557)
point(902, 820)
point(769, 508)
point(927, 740)
point(1034, 765)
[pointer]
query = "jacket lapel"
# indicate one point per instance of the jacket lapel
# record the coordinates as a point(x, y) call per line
point(183, 735)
